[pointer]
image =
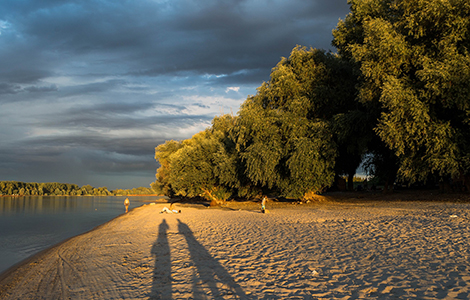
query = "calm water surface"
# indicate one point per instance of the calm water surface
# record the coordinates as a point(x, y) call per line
point(31, 224)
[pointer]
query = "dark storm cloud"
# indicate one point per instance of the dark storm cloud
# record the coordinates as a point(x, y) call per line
point(127, 108)
point(88, 88)
point(14, 89)
point(98, 121)
point(6, 88)
point(80, 165)
point(42, 89)
point(77, 158)
point(152, 37)
point(112, 116)
point(52, 146)
point(91, 88)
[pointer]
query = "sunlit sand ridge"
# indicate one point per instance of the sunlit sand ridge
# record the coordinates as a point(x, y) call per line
point(373, 250)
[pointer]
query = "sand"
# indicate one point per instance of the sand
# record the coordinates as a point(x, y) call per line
point(359, 250)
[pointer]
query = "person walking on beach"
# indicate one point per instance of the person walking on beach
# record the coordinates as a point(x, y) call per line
point(263, 204)
point(126, 204)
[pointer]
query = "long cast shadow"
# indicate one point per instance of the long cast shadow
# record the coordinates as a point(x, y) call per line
point(161, 287)
point(208, 269)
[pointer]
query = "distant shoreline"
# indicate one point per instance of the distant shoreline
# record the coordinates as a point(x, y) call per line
point(152, 195)
point(346, 196)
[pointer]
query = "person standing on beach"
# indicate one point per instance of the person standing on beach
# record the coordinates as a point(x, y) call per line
point(126, 204)
point(263, 204)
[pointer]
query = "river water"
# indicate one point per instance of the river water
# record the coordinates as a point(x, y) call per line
point(31, 224)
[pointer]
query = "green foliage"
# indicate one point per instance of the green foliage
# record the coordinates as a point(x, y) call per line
point(202, 166)
point(49, 189)
point(135, 191)
point(284, 140)
point(65, 189)
point(286, 132)
point(415, 77)
point(162, 154)
point(397, 94)
point(191, 166)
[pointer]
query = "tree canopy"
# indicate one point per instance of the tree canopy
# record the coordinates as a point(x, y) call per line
point(415, 70)
point(286, 131)
point(202, 166)
point(395, 97)
point(283, 140)
point(18, 188)
point(49, 189)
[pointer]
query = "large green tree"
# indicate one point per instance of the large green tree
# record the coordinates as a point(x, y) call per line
point(163, 153)
point(204, 165)
point(415, 77)
point(286, 135)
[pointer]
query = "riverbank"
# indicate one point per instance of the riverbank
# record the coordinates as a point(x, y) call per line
point(327, 249)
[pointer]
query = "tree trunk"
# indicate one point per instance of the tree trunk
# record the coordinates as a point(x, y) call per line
point(351, 182)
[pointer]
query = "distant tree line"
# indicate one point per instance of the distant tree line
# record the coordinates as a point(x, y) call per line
point(396, 97)
point(134, 191)
point(19, 188)
point(50, 189)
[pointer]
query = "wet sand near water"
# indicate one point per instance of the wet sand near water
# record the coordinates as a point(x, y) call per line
point(360, 250)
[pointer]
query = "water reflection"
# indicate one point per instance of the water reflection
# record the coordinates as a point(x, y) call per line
point(61, 204)
point(33, 223)
point(45, 204)
point(39, 204)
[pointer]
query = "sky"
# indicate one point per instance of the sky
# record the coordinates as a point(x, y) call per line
point(89, 88)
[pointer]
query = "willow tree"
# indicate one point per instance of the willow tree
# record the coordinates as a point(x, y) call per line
point(285, 136)
point(203, 166)
point(163, 153)
point(415, 65)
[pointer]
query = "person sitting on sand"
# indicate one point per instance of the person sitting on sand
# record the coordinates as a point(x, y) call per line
point(170, 210)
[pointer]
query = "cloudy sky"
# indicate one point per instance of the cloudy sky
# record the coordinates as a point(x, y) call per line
point(89, 88)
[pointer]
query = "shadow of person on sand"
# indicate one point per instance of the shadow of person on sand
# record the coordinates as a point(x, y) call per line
point(161, 287)
point(209, 271)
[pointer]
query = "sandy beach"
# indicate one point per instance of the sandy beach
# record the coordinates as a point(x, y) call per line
point(322, 250)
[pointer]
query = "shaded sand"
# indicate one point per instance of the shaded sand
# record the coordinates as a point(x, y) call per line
point(369, 250)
